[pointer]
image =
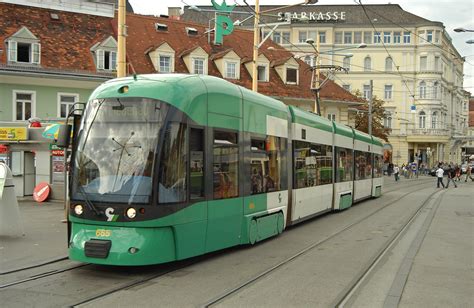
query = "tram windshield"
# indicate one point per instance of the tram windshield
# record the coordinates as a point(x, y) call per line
point(116, 148)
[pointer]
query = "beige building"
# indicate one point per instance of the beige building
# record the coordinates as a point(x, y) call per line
point(411, 60)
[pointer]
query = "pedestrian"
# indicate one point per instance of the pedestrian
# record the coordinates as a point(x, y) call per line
point(469, 173)
point(396, 172)
point(439, 176)
point(451, 176)
point(414, 170)
point(457, 170)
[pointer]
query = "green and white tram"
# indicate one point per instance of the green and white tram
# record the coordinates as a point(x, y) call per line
point(166, 167)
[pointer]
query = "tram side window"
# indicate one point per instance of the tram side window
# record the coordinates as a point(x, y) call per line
point(313, 164)
point(266, 165)
point(378, 166)
point(172, 175)
point(360, 162)
point(368, 165)
point(226, 165)
point(196, 153)
point(344, 167)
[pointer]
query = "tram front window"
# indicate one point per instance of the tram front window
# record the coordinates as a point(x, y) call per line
point(116, 150)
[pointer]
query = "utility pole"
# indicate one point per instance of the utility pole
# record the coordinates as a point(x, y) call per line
point(256, 35)
point(370, 106)
point(121, 41)
point(318, 63)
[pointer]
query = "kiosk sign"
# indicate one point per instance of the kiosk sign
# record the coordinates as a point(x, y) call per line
point(13, 133)
point(224, 25)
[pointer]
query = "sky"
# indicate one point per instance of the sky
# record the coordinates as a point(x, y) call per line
point(453, 14)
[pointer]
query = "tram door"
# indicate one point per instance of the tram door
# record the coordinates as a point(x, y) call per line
point(225, 211)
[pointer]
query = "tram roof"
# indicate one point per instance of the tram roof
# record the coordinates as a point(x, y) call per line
point(377, 141)
point(343, 130)
point(361, 136)
point(304, 117)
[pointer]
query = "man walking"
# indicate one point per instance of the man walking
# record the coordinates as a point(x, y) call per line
point(396, 172)
point(439, 176)
point(469, 173)
point(451, 176)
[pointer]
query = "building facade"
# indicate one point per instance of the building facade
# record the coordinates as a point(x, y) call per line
point(412, 62)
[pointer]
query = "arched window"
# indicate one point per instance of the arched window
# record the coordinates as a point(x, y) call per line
point(387, 120)
point(367, 64)
point(434, 119)
point(422, 119)
point(346, 63)
point(308, 60)
point(422, 89)
point(436, 90)
point(388, 64)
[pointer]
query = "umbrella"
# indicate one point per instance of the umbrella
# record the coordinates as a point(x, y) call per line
point(51, 131)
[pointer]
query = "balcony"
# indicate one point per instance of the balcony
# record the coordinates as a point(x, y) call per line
point(428, 135)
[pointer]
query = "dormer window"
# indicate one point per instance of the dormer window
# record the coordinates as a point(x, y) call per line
point(191, 31)
point(106, 54)
point(198, 66)
point(231, 70)
point(262, 72)
point(24, 47)
point(165, 64)
point(291, 75)
point(162, 57)
point(161, 27)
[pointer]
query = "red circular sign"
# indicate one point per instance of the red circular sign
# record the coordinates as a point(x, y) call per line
point(41, 192)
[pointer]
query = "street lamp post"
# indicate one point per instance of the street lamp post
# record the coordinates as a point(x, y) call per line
point(462, 30)
point(121, 41)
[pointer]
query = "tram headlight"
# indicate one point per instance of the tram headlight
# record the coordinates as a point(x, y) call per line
point(131, 213)
point(78, 209)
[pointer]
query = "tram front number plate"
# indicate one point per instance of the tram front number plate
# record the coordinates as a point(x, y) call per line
point(103, 233)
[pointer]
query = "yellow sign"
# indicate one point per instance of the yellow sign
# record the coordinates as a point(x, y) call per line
point(103, 233)
point(13, 133)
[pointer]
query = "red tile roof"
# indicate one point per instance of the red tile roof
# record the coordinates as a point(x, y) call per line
point(142, 38)
point(65, 44)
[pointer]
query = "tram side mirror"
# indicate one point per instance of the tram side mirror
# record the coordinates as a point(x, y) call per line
point(64, 136)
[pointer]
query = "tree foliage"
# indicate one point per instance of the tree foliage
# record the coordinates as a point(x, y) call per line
point(378, 114)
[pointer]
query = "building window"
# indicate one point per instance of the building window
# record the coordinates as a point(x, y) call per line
point(377, 38)
point(387, 37)
point(338, 37)
point(322, 37)
point(367, 37)
point(24, 52)
point(262, 73)
point(434, 119)
point(387, 120)
point(422, 119)
point(436, 63)
point(423, 63)
point(286, 38)
point(406, 37)
point(231, 71)
point(422, 89)
point(308, 60)
point(347, 87)
point(437, 37)
point(292, 75)
point(367, 64)
point(165, 64)
point(198, 66)
point(277, 37)
point(346, 63)
point(388, 92)
point(396, 37)
point(66, 101)
point(435, 89)
point(302, 36)
point(357, 37)
point(367, 91)
point(23, 105)
point(106, 60)
point(332, 117)
point(312, 35)
point(388, 64)
point(347, 37)
point(429, 36)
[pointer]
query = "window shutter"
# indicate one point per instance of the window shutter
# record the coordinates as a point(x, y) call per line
point(12, 51)
point(100, 59)
point(36, 50)
point(113, 60)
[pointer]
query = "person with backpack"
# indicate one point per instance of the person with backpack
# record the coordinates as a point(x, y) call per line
point(451, 176)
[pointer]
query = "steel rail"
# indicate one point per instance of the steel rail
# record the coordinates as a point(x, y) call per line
point(250, 281)
point(34, 265)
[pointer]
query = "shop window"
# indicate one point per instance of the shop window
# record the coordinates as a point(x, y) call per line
point(313, 164)
point(172, 175)
point(226, 165)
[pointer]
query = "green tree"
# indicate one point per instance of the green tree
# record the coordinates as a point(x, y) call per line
point(378, 114)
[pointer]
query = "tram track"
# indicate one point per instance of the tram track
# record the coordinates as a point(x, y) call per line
point(38, 265)
point(218, 299)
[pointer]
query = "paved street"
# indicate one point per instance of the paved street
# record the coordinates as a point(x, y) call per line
point(428, 264)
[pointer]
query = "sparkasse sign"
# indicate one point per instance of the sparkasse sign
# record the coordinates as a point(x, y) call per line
point(313, 16)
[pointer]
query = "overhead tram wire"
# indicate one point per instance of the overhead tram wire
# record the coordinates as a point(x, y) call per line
point(386, 50)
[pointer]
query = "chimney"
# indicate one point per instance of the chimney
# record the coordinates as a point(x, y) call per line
point(174, 12)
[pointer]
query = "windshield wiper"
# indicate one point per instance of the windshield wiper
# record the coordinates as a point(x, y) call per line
point(89, 203)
